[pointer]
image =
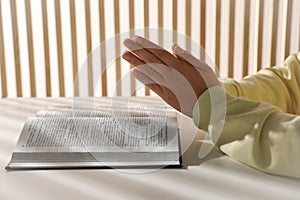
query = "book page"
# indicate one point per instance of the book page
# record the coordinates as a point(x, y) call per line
point(107, 112)
point(98, 134)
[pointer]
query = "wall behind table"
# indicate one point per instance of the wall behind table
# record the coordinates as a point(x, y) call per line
point(44, 43)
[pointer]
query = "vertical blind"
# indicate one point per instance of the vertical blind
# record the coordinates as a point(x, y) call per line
point(44, 43)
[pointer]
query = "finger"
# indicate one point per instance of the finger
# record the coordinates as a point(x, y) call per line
point(142, 53)
point(185, 55)
point(190, 59)
point(147, 81)
point(154, 71)
point(177, 56)
point(163, 55)
point(132, 59)
point(206, 72)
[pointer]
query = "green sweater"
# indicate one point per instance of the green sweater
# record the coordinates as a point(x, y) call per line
point(259, 123)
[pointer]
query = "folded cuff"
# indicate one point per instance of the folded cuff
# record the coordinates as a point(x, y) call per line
point(209, 111)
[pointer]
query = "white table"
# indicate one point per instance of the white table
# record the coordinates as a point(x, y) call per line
point(215, 177)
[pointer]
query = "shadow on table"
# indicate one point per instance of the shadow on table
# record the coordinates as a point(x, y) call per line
point(192, 156)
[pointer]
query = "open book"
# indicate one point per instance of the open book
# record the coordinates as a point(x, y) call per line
point(105, 137)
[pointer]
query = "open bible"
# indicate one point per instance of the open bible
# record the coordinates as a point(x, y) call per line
point(98, 138)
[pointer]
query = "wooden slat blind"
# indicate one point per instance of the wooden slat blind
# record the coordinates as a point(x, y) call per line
point(146, 25)
point(188, 21)
point(46, 48)
point(266, 32)
point(218, 34)
point(74, 46)
point(16, 47)
point(231, 38)
point(275, 9)
point(288, 27)
point(160, 8)
point(59, 48)
point(131, 34)
point(2, 58)
point(102, 47)
point(245, 57)
point(89, 47)
point(117, 45)
point(174, 22)
point(202, 27)
point(260, 26)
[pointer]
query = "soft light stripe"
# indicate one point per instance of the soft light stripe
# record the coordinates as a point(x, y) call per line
point(295, 27)
point(9, 48)
point(23, 48)
point(38, 45)
point(67, 48)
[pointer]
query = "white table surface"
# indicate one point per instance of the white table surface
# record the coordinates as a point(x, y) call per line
point(214, 177)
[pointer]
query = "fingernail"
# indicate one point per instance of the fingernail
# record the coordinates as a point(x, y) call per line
point(134, 37)
point(178, 49)
point(127, 43)
point(134, 72)
point(173, 46)
point(126, 56)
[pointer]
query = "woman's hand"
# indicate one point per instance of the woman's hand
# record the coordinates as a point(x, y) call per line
point(178, 79)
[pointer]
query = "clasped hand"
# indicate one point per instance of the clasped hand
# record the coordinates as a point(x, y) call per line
point(178, 78)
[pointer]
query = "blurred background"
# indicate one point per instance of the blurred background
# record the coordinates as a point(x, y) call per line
point(43, 43)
